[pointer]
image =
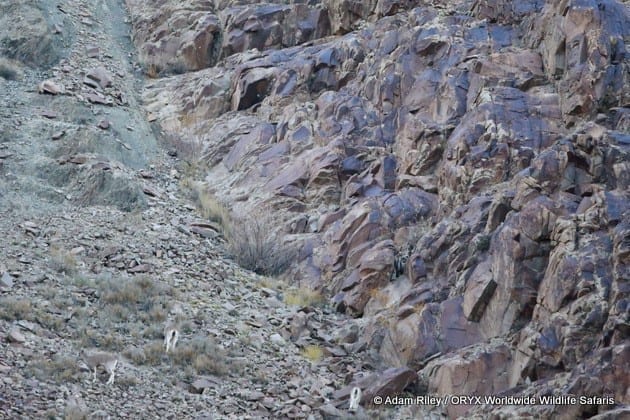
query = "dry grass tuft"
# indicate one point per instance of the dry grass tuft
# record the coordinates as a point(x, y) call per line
point(204, 355)
point(379, 295)
point(90, 338)
point(152, 71)
point(74, 413)
point(12, 308)
point(63, 261)
point(303, 297)
point(210, 208)
point(313, 353)
point(130, 291)
point(61, 369)
point(151, 354)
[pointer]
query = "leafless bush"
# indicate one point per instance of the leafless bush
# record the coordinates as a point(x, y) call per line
point(256, 244)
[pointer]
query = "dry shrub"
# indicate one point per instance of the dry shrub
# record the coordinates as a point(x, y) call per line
point(204, 355)
point(63, 261)
point(60, 369)
point(210, 208)
point(152, 71)
point(72, 412)
point(151, 354)
point(303, 297)
point(12, 308)
point(130, 291)
point(313, 353)
point(90, 337)
point(256, 244)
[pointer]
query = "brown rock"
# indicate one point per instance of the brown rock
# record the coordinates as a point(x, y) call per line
point(200, 385)
point(390, 383)
point(140, 268)
point(477, 371)
point(50, 87)
point(15, 336)
point(177, 36)
point(479, 291)
point(100, 75)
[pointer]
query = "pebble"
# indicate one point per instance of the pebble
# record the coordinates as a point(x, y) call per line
point(15, 336)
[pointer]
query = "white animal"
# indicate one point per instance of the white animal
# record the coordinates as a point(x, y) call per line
point(103, 360)
point(171, 335)
point(355, 399)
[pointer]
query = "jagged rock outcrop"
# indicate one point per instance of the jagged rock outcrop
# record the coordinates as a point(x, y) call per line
point(457, 175)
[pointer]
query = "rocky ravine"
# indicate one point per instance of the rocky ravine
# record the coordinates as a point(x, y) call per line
point(453, 179)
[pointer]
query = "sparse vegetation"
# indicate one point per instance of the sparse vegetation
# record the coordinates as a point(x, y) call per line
point(154, 331)
point(74, 413)
point(63, 261)
point(62, 369)
point(204, 355)
point(51, 321)
point(129, 291)
point(12, 308)
point(303, 297)
point(152, 71)
point(126, 306)
point(379, 295)
point(255, 243)
point(151, 354)
point(90, 337)
point(481, 242)
point(210, 208)
point(313, 353)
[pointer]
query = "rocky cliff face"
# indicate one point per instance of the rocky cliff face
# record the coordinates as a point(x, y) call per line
point(453, 177)
point(455, 174)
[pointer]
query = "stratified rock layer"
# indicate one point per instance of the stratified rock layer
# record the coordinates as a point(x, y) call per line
point(457, 175)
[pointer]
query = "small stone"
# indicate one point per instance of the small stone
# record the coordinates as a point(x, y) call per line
point(99, 75)
point(50, 87)
point(331, 410)
point(140, 268)
point(97, 98)
point(6, 282)
point(150, 191)
point(199, 385)
point(15, 336)
point(92, 51)
point(277, 339)
point(103, 124)
point(49, 114)
point(78, 250)
point(254, 396)
point(59, 134)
